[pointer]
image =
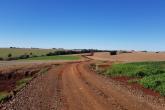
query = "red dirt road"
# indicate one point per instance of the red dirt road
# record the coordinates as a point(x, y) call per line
point(74, 86)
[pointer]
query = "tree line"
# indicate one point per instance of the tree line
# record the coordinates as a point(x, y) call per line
point(59, 52)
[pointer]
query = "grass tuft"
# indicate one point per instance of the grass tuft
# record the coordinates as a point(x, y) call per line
point(21, 83)
point(3, 95)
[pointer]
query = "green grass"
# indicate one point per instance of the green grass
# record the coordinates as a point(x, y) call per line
point(139, 69)
point(155, 82)
point(60, 57)
point(17, 52)
point(150, 74)
point(3, 95)
point(21, 83)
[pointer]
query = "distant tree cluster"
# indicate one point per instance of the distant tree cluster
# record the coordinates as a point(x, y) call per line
point(114, 52)
point(60, 52)
point(66, 52)
point(12, 47)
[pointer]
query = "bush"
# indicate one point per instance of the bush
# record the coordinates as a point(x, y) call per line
point(34, 56)
point(1, 59)
point(64, 52)
point(24, 56)
point(49, 54)
point(113, 52)
point(9, 55)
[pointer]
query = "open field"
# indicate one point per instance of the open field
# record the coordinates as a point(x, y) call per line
point(17, 52)
point(129, 57)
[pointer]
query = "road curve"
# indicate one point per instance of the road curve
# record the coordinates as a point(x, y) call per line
point(74, 86)
point(85, 90)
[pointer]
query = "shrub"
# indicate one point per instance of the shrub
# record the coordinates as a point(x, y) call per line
point(34, 56)
point(1, 58)
point(49, 54)
point(23, 56)
point(113, 52)
point(9, 55)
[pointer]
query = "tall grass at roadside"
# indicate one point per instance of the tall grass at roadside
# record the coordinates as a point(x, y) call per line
point(21, 83)
point(150, 74)
point(3, 95)
point(139, 69)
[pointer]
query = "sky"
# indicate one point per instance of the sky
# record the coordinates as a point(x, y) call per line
point(97, 24)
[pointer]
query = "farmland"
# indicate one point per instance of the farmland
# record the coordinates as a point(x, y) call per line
point(4, 52)
point(59, 57)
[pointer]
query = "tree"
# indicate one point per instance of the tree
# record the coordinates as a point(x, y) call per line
point(9, 55)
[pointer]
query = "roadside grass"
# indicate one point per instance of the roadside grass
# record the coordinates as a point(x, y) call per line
point(21, 83)
point(155, 82)
point(43, 71)
point(3, 95)
point(149, 74)
point(58, 57)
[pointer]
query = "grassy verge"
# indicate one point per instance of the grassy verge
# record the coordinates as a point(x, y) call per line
point(150, 74)
point(21, 83)
point(3, 95)
point(60, 57)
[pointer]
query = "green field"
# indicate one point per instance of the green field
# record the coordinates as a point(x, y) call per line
point(150, 74)
point(60, 57)
point(17, 52)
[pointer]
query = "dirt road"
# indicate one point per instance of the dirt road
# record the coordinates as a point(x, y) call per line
point(74, 86)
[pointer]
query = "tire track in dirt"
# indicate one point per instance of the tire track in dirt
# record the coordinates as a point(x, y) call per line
point(117, 98)
point(79, 97)
point(113, 103)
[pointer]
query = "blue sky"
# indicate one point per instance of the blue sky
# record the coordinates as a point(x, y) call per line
point(101, 24)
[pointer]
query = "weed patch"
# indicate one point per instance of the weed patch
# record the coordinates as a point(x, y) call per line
point(149, 74)
point(21, 83)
